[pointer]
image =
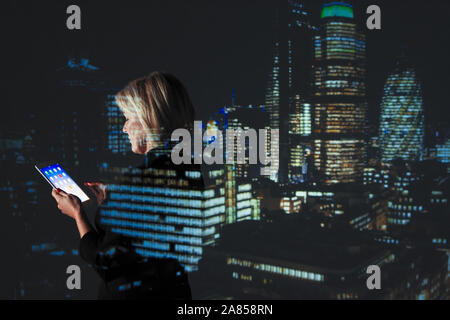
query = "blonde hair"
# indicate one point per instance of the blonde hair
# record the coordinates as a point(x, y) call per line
point(161, 103)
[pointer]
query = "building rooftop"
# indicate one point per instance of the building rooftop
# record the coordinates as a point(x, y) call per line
point(299, 240)
point(337, 9)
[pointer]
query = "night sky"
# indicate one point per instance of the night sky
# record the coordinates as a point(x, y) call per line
point(212, 46)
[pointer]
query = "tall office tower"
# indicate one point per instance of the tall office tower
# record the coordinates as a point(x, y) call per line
point(402, 115)
point(339, 96)
point(289, 75)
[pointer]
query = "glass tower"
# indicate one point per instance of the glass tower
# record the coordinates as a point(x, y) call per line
point(402, 116)
point(339, 115)
point(289, 75)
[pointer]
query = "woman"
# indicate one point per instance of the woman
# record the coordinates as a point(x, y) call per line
point(153, 106)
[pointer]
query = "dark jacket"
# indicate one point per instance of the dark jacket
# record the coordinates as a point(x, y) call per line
point(126, 274)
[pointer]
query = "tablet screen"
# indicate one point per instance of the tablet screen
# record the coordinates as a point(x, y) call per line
point(60, 179)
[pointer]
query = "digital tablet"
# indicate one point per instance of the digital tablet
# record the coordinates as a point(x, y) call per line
point(54, 174)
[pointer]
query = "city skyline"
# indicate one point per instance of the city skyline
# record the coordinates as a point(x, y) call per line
point(396, 32)
point(309, 69)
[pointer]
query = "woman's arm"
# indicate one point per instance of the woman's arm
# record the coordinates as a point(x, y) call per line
point(70, 205)
point(91, 240)
point(83, 224)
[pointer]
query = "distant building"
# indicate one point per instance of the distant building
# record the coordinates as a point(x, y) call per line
point(300, 157)
point(238, 177)
point(443, 152)
point(290, 204)
point(414, 188)
point(245, 117)
point(297, 259)
point(402, 115)
point(289, 75)
point(173, 213)
point(360, 207)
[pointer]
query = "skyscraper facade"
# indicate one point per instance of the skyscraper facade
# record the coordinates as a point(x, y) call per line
point(170, 213)
point(299, 140)
point(239, 201)
point(402, 117)
point(289, 75)
point(245, 118)
point(339, 115)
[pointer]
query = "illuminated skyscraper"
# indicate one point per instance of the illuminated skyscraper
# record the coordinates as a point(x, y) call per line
point(239, 201)
point(174, 211)
point(402, 117)
point(339, 96)
point(443, 152)
point(289, 74)
point(171, 213)
point(299, 140)
point(245, 118)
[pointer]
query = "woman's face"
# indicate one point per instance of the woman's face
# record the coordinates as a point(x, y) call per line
point(136, 133)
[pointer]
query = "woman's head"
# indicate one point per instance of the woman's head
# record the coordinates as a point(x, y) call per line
point(154, 106)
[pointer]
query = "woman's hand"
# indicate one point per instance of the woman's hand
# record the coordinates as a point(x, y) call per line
point(69, 204)
point(98, 189)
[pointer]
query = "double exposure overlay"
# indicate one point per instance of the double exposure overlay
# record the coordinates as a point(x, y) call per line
point(353, 124)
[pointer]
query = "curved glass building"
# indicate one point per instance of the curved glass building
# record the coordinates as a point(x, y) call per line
point(402, 117)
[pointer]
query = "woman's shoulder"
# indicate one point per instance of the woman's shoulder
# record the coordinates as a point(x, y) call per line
point(160, 158)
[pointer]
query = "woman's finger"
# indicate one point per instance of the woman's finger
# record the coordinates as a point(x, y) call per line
point(56, 195)
point(92, 183)
point(94, 190)
point(98, 189)
point(98, 186)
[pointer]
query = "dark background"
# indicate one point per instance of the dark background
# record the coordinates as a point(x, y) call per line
point(212, 46)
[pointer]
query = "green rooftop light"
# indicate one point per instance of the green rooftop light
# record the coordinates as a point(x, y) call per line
point(337, 9)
